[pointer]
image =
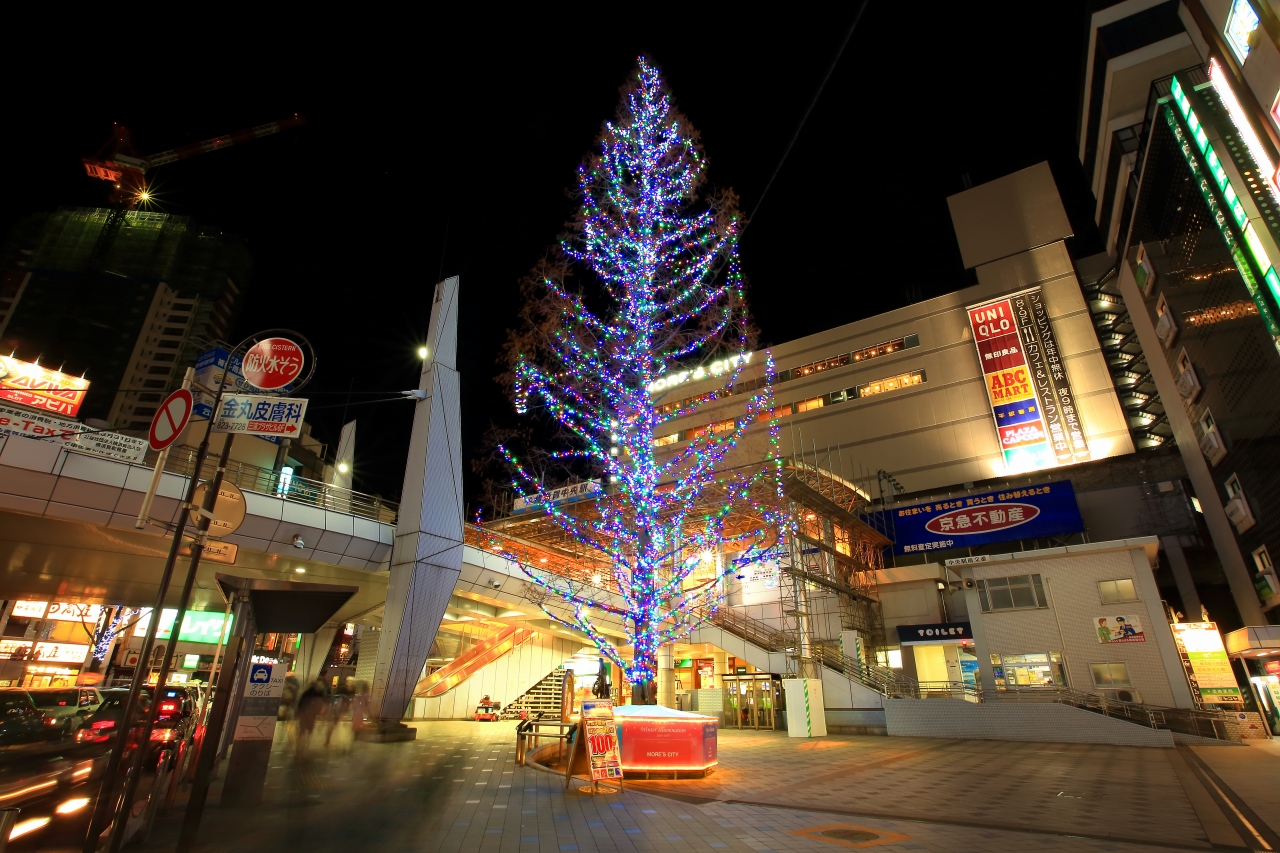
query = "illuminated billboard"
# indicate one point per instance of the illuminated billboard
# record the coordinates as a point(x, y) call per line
point(1031, 399)
point(40, 388)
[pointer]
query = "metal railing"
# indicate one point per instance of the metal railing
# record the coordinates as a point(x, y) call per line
point(264, 481)
point(1215, 725)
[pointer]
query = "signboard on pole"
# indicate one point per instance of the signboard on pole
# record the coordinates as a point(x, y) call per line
point(1205, 661)
point(40, 388)
point(170, 419)
point(276, 417)
point(229, 509)
point(602, 739)
point(261, 702)
point(272, 363)
point(211, 366)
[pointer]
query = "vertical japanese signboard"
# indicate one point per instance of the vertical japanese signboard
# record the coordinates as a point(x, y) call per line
point(1206, 663)
point(601, 737)
point(1031, 399)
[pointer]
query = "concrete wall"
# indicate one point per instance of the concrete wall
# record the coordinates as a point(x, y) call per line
point(1046, 722)
point(502, 681)
point(1069, 624)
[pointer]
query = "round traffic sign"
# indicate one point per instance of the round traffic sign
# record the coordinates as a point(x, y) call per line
point(272, 363)
point(228, 510)
point(171, 417)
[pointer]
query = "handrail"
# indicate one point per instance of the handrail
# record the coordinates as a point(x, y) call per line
point(181, 461)
point(1189, 721)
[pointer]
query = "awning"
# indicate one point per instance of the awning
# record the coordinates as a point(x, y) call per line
point(288, 607)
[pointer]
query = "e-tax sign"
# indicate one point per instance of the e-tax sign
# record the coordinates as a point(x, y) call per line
point(262, 416)
point(71, 433)
point(1046, 509)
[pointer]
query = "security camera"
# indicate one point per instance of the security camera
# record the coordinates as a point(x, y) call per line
point(496, 584)
point(297, 541)
point(969, 583)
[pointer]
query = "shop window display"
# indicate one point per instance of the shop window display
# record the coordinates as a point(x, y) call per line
point(1035, 670)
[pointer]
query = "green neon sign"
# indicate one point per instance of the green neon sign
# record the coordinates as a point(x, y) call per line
point(197, 626)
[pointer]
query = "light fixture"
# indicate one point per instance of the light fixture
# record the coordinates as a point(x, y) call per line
point(595, 579)
point(300, 570)
point(422, 352)
point(297, 541)
point(542, 560)
point(343, 468)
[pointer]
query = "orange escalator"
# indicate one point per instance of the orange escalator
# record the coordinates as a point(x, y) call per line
point(471, 661)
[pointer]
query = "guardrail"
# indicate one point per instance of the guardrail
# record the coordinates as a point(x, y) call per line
point(264, 481)
point(1215, 725)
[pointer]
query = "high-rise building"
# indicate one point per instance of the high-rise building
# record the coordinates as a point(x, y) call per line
point(128, 308)
point(1180, 134)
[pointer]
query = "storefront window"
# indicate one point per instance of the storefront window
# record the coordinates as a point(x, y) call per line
point(1028, 670)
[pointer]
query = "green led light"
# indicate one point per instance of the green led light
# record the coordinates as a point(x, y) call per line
point(1273, 283)
point(1256, 249)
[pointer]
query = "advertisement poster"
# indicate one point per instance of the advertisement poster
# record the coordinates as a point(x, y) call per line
point(1031, 398)
point(1206, 663)
point(1048, 509)
point(1119, 629)
point(72, 433)
point(602, 739)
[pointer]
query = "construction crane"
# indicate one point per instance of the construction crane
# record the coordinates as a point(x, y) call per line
point(119, 163)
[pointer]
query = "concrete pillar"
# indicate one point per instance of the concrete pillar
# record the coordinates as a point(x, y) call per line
point(721, 663)
point(315, 648)
point(1182, 577)
point(666, 676)
point(426, 557)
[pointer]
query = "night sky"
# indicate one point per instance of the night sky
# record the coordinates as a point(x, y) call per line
point(446, 147)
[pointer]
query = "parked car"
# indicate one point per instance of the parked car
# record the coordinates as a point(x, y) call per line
point(66, 706)
point(20, 720)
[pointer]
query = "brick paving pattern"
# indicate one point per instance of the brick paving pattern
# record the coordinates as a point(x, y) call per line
point(457, 789)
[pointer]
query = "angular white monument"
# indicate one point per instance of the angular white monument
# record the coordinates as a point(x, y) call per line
point(427, 555)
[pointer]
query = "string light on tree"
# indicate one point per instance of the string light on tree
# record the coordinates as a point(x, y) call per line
point(649, 276)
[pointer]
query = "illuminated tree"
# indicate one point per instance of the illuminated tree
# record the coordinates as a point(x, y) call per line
point(645, 289)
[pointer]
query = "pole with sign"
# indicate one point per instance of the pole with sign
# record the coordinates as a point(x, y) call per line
point(108, 806)
point(166, 426)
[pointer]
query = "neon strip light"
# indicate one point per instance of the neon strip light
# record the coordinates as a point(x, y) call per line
point(1215, 209)
point(1241, 120)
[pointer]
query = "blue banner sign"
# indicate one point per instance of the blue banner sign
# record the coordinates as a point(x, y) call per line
point(1027, 512)
point(210, 366)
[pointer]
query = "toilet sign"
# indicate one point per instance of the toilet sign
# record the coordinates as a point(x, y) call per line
point(170, 419)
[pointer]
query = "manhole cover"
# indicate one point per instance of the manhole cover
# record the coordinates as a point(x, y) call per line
point(843, 834)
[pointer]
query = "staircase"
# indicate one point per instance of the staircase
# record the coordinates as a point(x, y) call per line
point(543, 698)
point(471, 661)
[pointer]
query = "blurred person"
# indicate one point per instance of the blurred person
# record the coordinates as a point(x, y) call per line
point(359, 705)
point(288, 696)
point(311, 705)
point(338, 708)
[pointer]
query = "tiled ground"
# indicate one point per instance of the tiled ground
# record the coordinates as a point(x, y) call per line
point(457, 789)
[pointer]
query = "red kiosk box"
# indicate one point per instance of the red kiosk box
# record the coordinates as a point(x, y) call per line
point(654, 739)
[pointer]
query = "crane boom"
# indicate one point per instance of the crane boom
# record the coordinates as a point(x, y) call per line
point(183, 152)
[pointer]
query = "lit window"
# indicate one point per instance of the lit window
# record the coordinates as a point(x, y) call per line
point(893, 383)
point(1110, 675)
point(806, 405)
point(1242, 23)
point(666, 439)
point(1114, 592)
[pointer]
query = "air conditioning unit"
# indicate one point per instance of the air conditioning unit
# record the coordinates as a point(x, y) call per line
point(1212, 445)
point(1240, 513)
point(1189, 384)
point(1143, 272)
point(1122, 694)
point(1166, 329)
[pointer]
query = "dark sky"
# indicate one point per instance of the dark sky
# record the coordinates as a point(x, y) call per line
point(445, 147)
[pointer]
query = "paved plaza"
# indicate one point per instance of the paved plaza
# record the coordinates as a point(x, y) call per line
point(457, 788)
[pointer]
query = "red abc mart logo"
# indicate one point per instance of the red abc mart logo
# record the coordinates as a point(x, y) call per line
point(982, 519)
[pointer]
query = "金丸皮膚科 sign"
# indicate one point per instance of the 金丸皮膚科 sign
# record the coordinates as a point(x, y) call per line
point(261, 416)
point(1027, 512)
point(1031, 399)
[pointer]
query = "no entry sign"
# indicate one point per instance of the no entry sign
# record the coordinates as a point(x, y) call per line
point(272, 363)
point(167, 425)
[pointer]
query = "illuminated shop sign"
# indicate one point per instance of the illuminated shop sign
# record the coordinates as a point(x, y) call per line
point(585, 490)
point(1027, 386)
point(44, 652)
point(1242, 22)
point(1205, 661)
point(197, 626)
point(715, 368)
point(1029, 512)
point(40, 388)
